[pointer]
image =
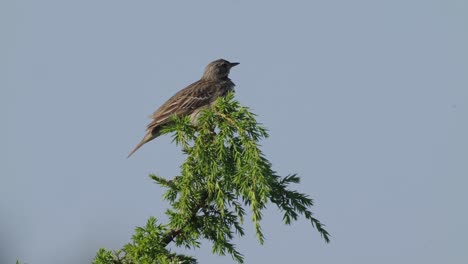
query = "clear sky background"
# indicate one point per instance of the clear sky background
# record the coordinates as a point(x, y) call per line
point(366, 100)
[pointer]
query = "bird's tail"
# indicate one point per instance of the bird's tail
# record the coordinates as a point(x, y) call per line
point(147, 138)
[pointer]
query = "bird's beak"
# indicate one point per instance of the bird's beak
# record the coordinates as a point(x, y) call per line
point(234, 64)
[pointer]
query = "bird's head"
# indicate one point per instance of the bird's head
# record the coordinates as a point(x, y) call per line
point(218, 70)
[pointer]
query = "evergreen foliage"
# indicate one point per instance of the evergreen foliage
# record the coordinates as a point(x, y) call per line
point(225, 174)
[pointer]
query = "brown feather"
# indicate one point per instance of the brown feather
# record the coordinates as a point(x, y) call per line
point(202, 93)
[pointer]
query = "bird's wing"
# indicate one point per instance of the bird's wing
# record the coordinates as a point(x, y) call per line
point(184, 102)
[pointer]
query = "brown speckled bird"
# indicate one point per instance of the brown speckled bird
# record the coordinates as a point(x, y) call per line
point(190, 100)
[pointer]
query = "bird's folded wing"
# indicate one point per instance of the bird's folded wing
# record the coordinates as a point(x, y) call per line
point(184, 102)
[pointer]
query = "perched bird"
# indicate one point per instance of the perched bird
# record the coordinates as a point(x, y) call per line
point(190, 100)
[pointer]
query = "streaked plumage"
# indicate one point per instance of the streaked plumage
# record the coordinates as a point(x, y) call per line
point(190, 100)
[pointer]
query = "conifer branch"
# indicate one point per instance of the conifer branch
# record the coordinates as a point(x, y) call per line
point(225, 173)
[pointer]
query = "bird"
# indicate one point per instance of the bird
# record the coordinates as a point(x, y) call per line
point(192, 99)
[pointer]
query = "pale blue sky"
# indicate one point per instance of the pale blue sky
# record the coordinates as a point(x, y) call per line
point(366, 100)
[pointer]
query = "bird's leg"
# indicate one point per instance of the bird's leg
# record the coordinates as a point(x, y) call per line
point(213, 132)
